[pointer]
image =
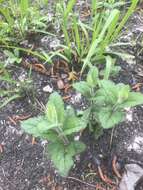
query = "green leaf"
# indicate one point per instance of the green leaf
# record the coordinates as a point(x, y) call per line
point(92, 77)
point(84, 120)
point(40, 127)
point(83, 88)
point(95, 43)
point(134, 99)
point(62, 156)
point(123, 92)
point(109, 118)
point(109, 65)
point(69, 8)
point(43, 126)
point(6, 13)
point(50, 136)
point(24, 5)
point(73, 123)
point(110, 91)
point(76, 147)
point(55, 109)
point(30, 125)
point(101, 97)
point(9, 99)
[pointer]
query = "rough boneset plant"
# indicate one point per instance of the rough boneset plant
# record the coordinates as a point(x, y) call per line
point(58, 125)
point(107, 101)
point(106, 108)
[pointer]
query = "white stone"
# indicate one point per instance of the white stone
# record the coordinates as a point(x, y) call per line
point(48, 89)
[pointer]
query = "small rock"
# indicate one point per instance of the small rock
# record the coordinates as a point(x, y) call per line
point(76, 138)
point(24, 43)
point(77, 157)
point(60, 84)
point(48, 89)
point(129, 114)
point(136, 144)
point(76, 98)
point(22, 77)
point(51, 42)
point(54, 44)
point(131, 176)
point(50, 17)
point(64, 76)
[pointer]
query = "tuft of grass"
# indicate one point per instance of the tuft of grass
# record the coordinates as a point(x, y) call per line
point(88, 41)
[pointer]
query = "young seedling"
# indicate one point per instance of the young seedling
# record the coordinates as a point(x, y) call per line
point(12, 57)
point(107, 100)
point(58, 125)
point(16, 89)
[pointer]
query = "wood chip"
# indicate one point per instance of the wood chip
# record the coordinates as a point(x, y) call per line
point(60, 84)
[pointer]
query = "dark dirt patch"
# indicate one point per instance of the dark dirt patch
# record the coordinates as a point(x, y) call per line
point(24, 166)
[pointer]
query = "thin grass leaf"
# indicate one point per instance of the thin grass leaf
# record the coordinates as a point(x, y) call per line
point(95, 43)
point(126, 17)
point(29, 51)
point(93, 7)
point(69, 8)
point(24, 5)
point(111, 30)
point(77, 35)
point(9, 100)
point(6, 13)
point(108, 67)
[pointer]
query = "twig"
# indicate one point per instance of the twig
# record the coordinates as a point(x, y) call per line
point(66, 97)
point(12, 120)
point(111, 139)
point(115, 168)
point(21, 118)
point(33, 141)
point(67, 87)
point(41, 105)
point(83, 182)
point(104, 177)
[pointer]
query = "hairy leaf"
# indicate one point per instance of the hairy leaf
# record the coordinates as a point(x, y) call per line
point(92, 77)
point(30, 125)
point(109, 91)
point(71, 124)
point(55, 109)
point(62, 156)
point(109, 118)
point(83, 88)
point(123, 92)
point(134, 99)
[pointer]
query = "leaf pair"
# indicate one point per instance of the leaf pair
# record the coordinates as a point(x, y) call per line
point(62, 156)
point(58, 126)
point(85, 87)
point(107, 100)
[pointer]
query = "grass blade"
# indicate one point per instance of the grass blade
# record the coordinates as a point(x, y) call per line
point(124, 20)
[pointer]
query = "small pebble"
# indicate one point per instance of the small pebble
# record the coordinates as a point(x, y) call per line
point(48, 89)
point(64, 76)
